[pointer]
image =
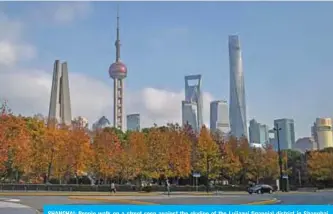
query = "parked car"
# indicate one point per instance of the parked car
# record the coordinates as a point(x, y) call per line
point(261, 189)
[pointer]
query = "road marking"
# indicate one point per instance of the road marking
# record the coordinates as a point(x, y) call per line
point(271, 201)
point(10, 200)
point(4, 204)
point(125, 201)
point(13, 200)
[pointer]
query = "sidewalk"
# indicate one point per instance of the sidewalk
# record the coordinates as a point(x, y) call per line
point(61, 193)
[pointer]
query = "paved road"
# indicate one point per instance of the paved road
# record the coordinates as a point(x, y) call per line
point(316, 198)
point(37, 202)
point(15, 208)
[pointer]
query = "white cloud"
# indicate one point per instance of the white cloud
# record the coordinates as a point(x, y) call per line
point(12, 47)
point(69, 11)
point(28, 90)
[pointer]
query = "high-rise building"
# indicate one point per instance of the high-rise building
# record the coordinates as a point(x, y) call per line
point(237, 109)
point(324, 132)
point(102, 123)
point(60, 102)
point(118, 72)
point(189, 115)
point(286, 129)
point(80, 122)
point(314, 132)
point(258, 133)
point(192, 105)
point(133, 122)
point(219, 116)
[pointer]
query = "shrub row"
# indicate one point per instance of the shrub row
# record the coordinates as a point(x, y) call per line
point(106, 188)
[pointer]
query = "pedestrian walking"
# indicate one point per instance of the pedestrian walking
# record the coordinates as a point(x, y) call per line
point(167, 184)
point(113, 188)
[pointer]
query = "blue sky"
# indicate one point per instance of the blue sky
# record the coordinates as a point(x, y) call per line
point(287, 49)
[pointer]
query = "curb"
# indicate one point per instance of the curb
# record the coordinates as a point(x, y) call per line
point(125, 201)
point(265, 202)
point(73, 194)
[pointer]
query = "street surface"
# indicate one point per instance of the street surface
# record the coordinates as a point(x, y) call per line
point(37, 202)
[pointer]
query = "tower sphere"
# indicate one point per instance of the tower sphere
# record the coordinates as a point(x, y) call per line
point(118, 70)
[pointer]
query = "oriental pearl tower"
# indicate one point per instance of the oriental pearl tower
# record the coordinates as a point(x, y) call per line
point(118, 72)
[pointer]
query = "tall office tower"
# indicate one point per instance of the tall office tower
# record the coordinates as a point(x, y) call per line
point(258, 133)
point(237, 109)
point(286, 133)
point(133, 122)
point(219, 116)
point(324, 132)
point(60, 102)
point(192, 105)
point(118, 72)
point(314, 132)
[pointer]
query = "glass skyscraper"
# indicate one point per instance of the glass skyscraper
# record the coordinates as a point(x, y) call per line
point(133, 122)
point(219, 116)
point(192, 105)
point(258, 133)
point(237, 109)
point(286, 133)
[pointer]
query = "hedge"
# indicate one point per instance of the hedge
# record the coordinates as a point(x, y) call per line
point(106, 188)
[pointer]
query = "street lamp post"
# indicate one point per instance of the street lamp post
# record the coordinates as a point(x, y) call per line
point(277, 129)
point(207, 185)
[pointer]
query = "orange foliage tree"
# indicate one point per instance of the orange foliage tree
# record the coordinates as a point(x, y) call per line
point(134, 157)
point(320, 165)
point(230, 163)
point(256, 164)
point(271, 162)
point(15, 144)
point(208, 160)
point(179, 150)
point(38, 162)
point(107, 151)
point(243, 152)
point(157, 147)
point(76, 154)
point(52, 150)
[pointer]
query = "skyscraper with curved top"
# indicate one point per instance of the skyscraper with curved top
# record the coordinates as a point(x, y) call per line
point(237, 105)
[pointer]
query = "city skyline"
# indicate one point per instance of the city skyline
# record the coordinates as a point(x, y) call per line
point(152, 47)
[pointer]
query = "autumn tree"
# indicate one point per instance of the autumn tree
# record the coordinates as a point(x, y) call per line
point(157, 161)
point(208, 160)
point(243, 152)
point(15, 144)
point(193, 138)
point(230, 163)
point(271, 162)
point(179, 150)
point(38, 162)
point(107, 152)
point(52, 150)
point(320, 165)
point(256, 165)
point(76, 153)
point(134, 157)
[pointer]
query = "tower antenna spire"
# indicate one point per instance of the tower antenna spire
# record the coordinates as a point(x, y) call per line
point(117, 44)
